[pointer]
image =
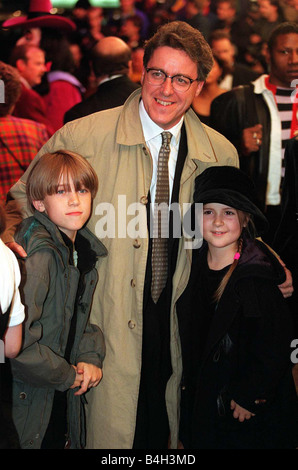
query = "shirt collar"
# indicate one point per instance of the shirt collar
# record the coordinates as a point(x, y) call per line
point(152, 130)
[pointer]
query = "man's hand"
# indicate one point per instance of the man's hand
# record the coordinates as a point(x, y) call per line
point(17, 249)
point(251, 139)
point(286, 288)
point(240, 413)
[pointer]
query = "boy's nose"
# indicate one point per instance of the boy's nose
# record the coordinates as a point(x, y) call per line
point(73, 198)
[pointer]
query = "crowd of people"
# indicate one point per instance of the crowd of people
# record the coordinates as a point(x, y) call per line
point(131, 340)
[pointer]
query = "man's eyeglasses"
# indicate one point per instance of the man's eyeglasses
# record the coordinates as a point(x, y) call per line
point(179, 82)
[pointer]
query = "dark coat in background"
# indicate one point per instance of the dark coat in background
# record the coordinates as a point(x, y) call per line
point(286, 239)
point(245, 357)
point(230, 114)
point(108, 95)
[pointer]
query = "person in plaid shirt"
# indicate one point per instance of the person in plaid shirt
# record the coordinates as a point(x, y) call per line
point(20, 139)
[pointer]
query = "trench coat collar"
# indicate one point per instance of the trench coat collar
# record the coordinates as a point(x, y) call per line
point(129, 131)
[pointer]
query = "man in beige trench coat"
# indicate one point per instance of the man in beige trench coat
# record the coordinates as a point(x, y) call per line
point(136, 405)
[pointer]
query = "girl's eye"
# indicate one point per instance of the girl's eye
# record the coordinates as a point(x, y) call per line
point(60, 191)
point(83, 190)
point(207, 212)
point(229, 213)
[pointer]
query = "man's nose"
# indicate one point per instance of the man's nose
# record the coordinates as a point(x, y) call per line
point(167, 86)
point(293, 58)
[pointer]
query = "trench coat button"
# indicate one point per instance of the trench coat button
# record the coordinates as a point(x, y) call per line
point(144, 200)
point(23, 396)
point(133, 283)
point(131, 324)
point(136, 243)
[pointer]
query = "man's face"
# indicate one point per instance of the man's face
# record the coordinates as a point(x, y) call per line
point(283, 60)
point(224, 50)
point(165, 105)
point(224, 11)
point(266, 9)
point(34, 67)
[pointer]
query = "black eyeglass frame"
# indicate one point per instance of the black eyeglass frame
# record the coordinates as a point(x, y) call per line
point(191, 80)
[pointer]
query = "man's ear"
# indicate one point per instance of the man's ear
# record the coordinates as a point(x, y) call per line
point(39, 206)
point(199, 88)
point(20, 65)
point(143, 75)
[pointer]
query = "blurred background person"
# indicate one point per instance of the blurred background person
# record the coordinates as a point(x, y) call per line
point(29, 60)
point(236, 73)
point(211, 89)
point(20, 139)
point(111, 64)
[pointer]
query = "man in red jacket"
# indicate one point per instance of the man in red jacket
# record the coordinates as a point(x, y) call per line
point(29, 60)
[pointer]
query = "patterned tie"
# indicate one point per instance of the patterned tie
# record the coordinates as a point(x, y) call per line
point(160, 221)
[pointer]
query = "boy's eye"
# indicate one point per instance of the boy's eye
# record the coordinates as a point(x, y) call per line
point(83, 190)
point(60, 191)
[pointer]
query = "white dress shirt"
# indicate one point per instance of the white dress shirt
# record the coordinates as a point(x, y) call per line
point(152, 133)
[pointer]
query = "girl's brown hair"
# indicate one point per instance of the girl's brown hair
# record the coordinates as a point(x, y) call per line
point(247, 225)
point(45, 175)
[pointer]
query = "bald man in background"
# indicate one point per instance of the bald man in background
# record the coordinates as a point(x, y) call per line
point(111, 62)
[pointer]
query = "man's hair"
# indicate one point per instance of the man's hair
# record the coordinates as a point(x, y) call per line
point(232, 3)
point(111, 63)
point(45, 176)
point(12, 87)
point(20, 52)
point(219, 34)
point(2, 219)
point(199, 4)
point(288, 27)
point(180, 35)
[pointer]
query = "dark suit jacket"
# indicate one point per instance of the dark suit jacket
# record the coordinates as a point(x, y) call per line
point(243, 75)
point(286, 238)
point(110, 94)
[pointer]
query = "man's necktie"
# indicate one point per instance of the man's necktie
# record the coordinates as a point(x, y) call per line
point(160, 221)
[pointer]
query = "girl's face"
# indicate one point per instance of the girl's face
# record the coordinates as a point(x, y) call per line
point(222, 226)
point(68, 209)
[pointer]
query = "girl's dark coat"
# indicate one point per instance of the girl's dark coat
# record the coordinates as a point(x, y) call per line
point(246, 358)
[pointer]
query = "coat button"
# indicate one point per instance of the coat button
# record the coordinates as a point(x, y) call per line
point(136, 243)
point(144, 200)
point(133, 283)
point(131, 324)
point(23, 396)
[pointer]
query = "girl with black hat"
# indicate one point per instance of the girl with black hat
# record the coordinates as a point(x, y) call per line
point(237, 390)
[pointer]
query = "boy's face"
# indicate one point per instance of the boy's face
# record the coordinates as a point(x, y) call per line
point(68, 209)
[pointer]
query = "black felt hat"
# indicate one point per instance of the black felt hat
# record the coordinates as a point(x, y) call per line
point(231, 186)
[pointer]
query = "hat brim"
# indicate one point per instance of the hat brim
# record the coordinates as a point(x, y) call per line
point(237, 201)
point(47, 21)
